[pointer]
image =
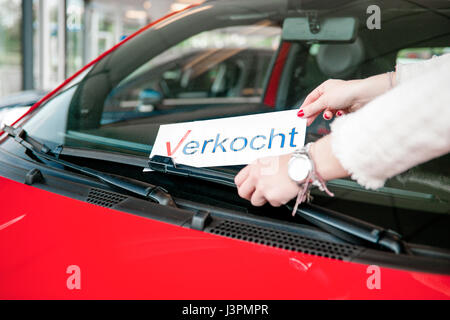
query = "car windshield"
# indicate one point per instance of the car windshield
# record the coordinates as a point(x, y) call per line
point(217, 59)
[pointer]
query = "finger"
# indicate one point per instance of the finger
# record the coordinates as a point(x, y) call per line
point(340, 113)
point(274, 202)
point(312, 96)
point(317, 106)
point(246, 189)
point(258, 199)
point(312, 118)
point(242, 176)
point(328, 115)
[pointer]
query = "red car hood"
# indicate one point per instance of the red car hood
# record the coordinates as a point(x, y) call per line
point(123, 256)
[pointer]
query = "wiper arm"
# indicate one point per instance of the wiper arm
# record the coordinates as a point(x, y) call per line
point(40, 150)
point(340, 225)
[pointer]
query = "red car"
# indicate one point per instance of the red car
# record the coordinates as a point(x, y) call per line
point(80, 219)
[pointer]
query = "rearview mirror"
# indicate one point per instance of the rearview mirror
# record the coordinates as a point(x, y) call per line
point(336, 29)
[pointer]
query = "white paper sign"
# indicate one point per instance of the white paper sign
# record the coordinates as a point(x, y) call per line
point(231, 141)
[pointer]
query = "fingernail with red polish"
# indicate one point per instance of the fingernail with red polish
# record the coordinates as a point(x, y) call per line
point(300, 113)
point(326, 116)
point(339, 113)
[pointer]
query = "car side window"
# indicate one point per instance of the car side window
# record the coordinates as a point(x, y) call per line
point(411, 55)
point(221, 67)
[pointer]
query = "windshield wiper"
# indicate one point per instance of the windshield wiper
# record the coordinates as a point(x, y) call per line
point(40, 150)
point(166, 165)
point(350, 228)
point(340, 225)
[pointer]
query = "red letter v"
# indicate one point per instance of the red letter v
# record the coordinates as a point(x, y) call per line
point(169, 150)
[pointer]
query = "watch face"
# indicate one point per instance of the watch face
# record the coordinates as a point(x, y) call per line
point(299, 168)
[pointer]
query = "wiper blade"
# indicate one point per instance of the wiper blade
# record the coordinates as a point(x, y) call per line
point(340, 225)
point(40, 150)
point(350, 228)
point(167, 165)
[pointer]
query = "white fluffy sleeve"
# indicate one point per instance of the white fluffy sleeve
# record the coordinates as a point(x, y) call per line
point(406, 72)
point(407, 126)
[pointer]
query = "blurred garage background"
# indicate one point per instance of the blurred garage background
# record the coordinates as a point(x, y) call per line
point(42, 42)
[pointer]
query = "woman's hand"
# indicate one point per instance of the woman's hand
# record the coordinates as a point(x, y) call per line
point(267, 180)
point(340, 97)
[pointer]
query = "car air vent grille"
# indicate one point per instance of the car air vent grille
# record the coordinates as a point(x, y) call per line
point(104, 198)
point(284, 240)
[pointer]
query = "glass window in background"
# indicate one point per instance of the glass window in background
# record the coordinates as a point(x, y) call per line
point(49, 43)
point(10, 47)
point(100, 29)
point(108, 23)
point(55, 74)
point(75, 29)
point(135, 18)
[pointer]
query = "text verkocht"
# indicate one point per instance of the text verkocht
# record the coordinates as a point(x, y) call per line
point(231, 141)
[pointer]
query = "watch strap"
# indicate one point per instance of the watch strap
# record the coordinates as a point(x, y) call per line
point(313, 179)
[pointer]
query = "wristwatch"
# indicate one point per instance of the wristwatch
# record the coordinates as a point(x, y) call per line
point(300, 165)
point(302, 171)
